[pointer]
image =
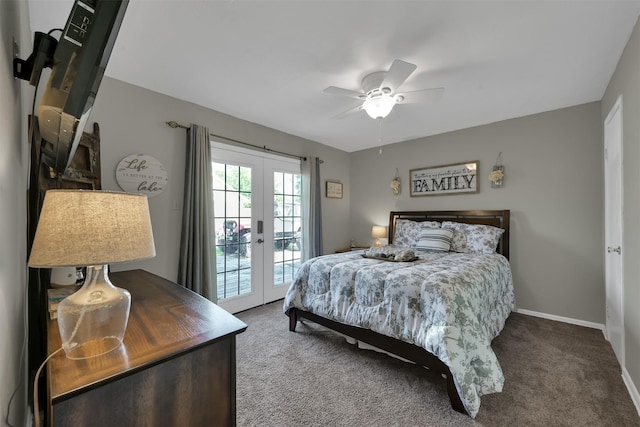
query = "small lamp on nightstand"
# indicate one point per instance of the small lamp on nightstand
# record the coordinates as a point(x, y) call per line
point(378, 232)
point(92, 228)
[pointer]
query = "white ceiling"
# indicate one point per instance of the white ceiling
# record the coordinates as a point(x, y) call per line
point(268, 61)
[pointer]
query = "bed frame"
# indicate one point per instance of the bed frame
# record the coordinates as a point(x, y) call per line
point(418, 355)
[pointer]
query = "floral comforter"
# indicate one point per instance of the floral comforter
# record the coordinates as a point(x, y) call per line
point(451, 304)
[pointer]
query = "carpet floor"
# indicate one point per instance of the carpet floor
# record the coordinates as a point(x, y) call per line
point(556, 375)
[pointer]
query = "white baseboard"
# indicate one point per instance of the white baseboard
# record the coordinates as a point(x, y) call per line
point(593, 325)
point(631, 387)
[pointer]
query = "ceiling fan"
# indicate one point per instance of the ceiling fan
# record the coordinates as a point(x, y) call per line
point(380, 91)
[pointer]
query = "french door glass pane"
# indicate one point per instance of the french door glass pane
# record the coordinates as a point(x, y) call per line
point(232, 217)
point(287, 225)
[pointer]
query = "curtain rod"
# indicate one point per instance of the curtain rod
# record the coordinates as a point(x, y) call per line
point(174, 125)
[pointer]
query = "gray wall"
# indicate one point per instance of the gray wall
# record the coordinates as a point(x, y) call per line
point(626, 82)
point(132, 120)
point(13, 185)
point(553, 187)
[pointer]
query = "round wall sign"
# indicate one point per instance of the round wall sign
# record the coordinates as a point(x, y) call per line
point(142, 174)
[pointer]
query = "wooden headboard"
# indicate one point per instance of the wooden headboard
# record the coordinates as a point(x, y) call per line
point(498, 219)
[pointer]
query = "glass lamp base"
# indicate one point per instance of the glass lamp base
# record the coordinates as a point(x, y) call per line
point(92, 321)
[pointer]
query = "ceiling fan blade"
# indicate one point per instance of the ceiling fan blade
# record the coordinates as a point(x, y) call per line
point(399, 72)
point(348, 112)
point(419, 96)
point(344, 92)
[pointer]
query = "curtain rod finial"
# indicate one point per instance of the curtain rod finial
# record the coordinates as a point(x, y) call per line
point(175, 124)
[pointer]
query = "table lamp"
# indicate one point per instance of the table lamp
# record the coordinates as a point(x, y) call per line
point(378, 232)
point(80, 228)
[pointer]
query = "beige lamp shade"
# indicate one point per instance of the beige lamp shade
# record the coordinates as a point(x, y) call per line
point(378, 232)
point(81, 228)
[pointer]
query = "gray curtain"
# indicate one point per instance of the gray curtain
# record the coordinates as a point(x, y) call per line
point(197, 266)
point(312, 212)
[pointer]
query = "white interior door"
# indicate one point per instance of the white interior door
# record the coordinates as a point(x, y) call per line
point(614, 326)
point(257, 221)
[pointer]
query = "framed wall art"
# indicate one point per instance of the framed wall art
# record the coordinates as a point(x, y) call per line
point(444, 179)
point(142, 174)
point(334, 190)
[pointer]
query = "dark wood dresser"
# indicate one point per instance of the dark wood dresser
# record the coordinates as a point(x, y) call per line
point(176, 367)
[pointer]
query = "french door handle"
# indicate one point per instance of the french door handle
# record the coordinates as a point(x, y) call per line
point(618, 250)
point(259, 241)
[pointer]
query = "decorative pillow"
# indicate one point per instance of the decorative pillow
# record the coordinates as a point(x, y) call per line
point(478, 238)
point(459, 239)
point(390, 253)
point(435, 239)
point(406, 231)
point(405, 255)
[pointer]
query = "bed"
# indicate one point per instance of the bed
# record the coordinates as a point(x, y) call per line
point(437, 308)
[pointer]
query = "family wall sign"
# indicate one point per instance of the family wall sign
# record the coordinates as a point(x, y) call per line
point(444, 179)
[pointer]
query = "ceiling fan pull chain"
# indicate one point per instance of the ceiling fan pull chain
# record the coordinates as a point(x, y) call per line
point(380, 135)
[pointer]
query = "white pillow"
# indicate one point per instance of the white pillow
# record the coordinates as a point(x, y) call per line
point(484, 238)
point(435, 239)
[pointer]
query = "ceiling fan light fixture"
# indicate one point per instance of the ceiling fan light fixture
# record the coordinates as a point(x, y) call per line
point(379, 106)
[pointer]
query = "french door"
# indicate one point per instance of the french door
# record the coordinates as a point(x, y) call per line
point(257, 216)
